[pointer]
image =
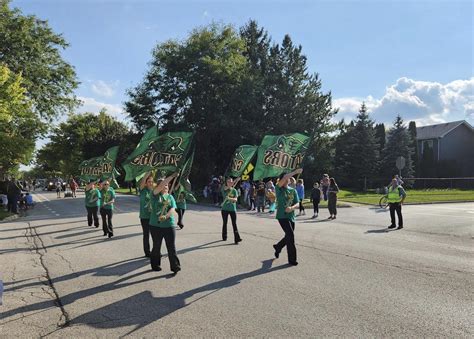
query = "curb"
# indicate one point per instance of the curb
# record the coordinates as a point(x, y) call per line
point(10, 218)
point(415, 203)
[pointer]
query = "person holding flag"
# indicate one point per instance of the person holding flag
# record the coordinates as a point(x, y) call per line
point(146, 190)
point(107, 208)
point(287, 202)
point(92, 203)
point(162, 225)
point(229, 207)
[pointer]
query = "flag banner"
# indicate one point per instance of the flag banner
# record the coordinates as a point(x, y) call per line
point(279, 154)
point(184, 185)
point(102, 167)
point(163, 153)
point(247, 171)
point(241, 158)
point(171, 151)
point(141, 154)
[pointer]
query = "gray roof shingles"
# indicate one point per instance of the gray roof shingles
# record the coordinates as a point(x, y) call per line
point(437, 131)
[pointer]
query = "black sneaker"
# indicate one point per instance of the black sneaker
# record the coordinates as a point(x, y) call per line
point(277, 252)
point(156, 269)
point(391, 226)
point(111, 235)
point(105, 233)
point(293, 263)
point(400, 227)
point(147, 255)
point(236, 241)
point(176, 270)
point(181, 226)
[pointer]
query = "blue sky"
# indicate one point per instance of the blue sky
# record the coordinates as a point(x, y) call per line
point(409, 57)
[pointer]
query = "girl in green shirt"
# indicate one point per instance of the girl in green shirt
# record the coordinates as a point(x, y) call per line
point(181, 207)
point(162, 225)
point(92, 203)
point(229, 207)
point(287, 202)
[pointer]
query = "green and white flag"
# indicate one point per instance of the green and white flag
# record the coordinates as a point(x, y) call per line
point(164, 153)
point(241, 158)
point(138, 163)
point(279, 154)
point(102, 167)
point(184, 185)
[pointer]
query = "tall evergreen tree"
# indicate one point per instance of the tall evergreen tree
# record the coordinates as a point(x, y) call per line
point(414, 146)
point(398, 144)
point(343, 153)
point(381, 136)
point(364, 148)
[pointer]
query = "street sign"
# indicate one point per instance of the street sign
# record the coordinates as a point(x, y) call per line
point(400, 162)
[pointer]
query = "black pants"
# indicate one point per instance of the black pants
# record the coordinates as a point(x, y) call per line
point(252, 204)
point(288, 240)
point(233, 218)
point(396, 207)
point(316, 207)
point(146, 235)
point(157, 234)
point(92, 215)
point(12, 205)
point(332, 202)
point(106, 215)
point(301, 206)
point(180, 212)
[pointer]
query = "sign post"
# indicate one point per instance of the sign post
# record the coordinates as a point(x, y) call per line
point(400, 162)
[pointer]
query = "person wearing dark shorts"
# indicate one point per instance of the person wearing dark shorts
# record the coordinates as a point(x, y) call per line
point(287, 202)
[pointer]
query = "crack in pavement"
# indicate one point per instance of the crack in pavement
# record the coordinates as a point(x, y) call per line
point(38, 246)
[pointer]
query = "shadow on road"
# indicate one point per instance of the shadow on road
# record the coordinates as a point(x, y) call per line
point(142, 308)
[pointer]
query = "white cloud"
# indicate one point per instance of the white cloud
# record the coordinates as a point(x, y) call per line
point(93, 106)
point(103, 88)
point(422, 101)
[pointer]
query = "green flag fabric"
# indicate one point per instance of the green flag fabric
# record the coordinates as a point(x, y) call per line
point(279, 154)
point(171, 150)
point(102, 167)
point(241, 158)
point(184, 185)
point(139, 162)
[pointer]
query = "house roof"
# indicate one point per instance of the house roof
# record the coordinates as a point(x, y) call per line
point(438, 130)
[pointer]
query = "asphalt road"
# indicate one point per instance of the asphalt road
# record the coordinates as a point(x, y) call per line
point(64, 279)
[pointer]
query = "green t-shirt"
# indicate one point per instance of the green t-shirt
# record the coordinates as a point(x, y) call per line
point(160, 205)
point(286, 197)
point(227, 205)
point(107, 195)
point(181, 201)
point(145, 203)
point(93, 198)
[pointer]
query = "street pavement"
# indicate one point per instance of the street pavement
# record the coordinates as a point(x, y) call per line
point(63, 279)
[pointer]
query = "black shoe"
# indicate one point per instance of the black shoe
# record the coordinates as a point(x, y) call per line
point(105, 233)
point(293, 263)
point(176, 270)
point(400, 227)
point(111, 235)
point(391, 226)
point(156, 269)
point(181, 226)
point(97, 226)
point(277, 252)
point(147, 255)
point(236, 241)
point(224, 238)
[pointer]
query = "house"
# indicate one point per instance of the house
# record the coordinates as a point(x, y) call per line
point(450, 146)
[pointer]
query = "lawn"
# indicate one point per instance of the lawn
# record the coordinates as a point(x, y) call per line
point(125, 191)
point(4, 214)
point(413, 196)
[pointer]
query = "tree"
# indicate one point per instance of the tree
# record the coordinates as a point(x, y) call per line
point(29, 47)
point(414, 146)
point(398, 144)
point(231, 88)
point(343, 153)
point(380, 135)
point(81, 137)
point(18, 124)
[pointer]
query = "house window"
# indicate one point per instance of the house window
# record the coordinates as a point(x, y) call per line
point(425, 145)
